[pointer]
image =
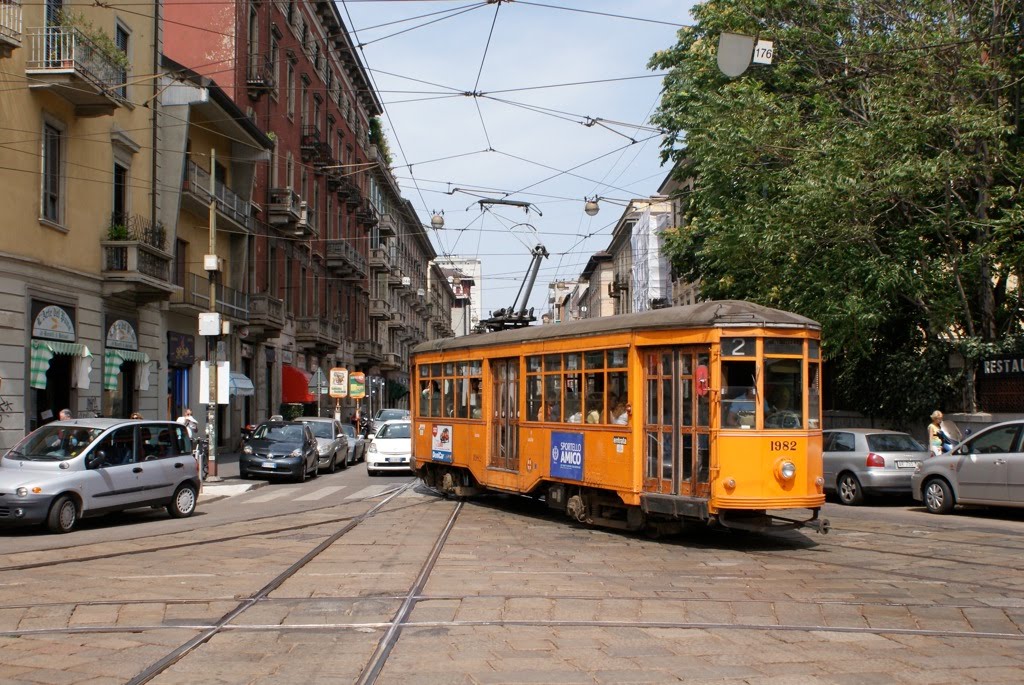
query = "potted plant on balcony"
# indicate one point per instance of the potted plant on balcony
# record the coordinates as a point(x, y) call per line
point(98, 39)
point(117, 232)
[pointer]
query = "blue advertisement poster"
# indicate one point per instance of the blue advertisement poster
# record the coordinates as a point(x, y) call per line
point(441, 444)
point(567, 455)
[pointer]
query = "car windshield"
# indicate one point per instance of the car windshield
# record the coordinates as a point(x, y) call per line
point(348, 430)
point(278, 433)
point(394, 430)
point(54, 443)
point(389, 414)
point(893, 442)
point(322, 429)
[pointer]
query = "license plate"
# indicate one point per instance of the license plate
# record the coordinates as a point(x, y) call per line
point(269, 465)
point(907, 464)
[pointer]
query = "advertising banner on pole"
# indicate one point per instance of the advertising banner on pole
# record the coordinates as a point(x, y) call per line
point(339, 382)
point(357, 385)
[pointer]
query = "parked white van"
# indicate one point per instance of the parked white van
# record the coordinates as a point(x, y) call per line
point(68, 470)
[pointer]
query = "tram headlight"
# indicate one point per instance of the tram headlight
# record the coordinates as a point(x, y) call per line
point(786, 470)
point(730, 484)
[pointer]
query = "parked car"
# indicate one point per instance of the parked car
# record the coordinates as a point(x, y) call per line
point(68, 470)
point(280, 448)
point(390, 449)
point(867, 461)
point(331, 442)
point(356, 443)
point(383, 415)
point(986, 468)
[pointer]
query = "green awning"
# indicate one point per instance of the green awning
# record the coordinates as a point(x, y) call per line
point(113, 359)
point(42, 351)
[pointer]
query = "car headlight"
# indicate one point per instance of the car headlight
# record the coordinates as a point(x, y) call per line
point(247, 450)
point(296, 452)
point(371, 448)
point(21, 492)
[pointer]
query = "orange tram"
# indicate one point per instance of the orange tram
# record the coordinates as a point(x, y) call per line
point(708, 412)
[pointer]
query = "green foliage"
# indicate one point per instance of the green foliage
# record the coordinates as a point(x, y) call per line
point(864, 179)
point(117, 232)
point(290, 412)
point(378, 138)
point(100, 38)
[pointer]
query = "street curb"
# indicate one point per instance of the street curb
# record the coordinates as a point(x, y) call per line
point(213, 492)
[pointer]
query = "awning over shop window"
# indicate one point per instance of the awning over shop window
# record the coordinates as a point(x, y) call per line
point(239, 384)
point(42, 351)
point(112, 361)
point(295, 386)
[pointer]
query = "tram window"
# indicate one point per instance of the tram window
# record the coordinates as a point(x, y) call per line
point(572, 362)
point(430, 398)
point(533, 364)
point(616, 359)
point(534, 399)
point(813, 395)
point(573, 398)
point(552, 398)
point(552, 362)
point(739, 393)
point(812, 349)
point(618, 394)
point(594, 360)
point(703, 400)
point(448, 397)
point(652, 405)
point(595, 398)
point(449, 369)
point(783, 346)
point(783, 383)
point(435, 370)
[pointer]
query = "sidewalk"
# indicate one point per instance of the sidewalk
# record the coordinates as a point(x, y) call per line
point(229, 484)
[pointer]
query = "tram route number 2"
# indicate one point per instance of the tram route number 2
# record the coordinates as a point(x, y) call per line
point(782, 445)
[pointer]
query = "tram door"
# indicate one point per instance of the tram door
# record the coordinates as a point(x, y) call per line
point(677, 419)
point(505, 421)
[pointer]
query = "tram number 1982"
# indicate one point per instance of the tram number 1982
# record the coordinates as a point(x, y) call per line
point(783, 445)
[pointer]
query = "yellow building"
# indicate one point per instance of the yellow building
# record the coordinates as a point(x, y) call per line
point(84, 261)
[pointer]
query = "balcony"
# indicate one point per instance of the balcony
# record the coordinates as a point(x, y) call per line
point(367, 215)
point(391, 362)
point(346, 353)
point(397, 320)
point(229, 205)
point(345, 259)
point(266, 317)
point(62, 59)
point(135, 262)
point(10, 27)
point(194, 298)
point(395, 278)
point(379, 308)
point(368, 352)
point(284, 207)
point(259, 78)
point(387, 226)
point(349, 193)
point(315, 150)
point(380, 260)
point(312, 332)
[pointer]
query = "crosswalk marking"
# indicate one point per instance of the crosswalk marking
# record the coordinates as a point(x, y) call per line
point(320, 494)
point(273, 494)
point(371, 491)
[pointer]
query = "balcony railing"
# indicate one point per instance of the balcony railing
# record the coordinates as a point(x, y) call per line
point(387, 225)
point(369, 350)
point(314, 149)
point(260, 76)
point(367, 214)
point(380, 259)
point(63, 58)
point(317, 332)
point(284, 207)
point(343, 256)
point(266, 313)
point(10, 26)
point(195, 295)
point(380, 308)
point(228, 203)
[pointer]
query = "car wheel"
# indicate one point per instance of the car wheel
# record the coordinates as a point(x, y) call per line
point(333, 466)
point(302, 473)
point(938, 496)
point(344, 460)
point(63, 515)
point(183, 504)
point(316, 469)
point(849, 490)
point(244, 475)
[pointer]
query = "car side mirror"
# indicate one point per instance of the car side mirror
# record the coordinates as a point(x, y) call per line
point(96, 458)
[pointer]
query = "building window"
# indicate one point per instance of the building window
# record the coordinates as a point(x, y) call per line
point(290, 98)
point(275, 57)
point(120, 200)
point(121, 40)
point(53, 172)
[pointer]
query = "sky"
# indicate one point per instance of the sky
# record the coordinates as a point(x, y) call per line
point(524, 127)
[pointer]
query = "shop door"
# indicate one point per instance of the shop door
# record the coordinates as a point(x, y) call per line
point(676, 421)
point(505, 419)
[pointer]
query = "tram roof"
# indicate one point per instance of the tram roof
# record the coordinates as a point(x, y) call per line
point(711, 314)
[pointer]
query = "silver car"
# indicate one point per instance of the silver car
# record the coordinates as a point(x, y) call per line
point(864, 461)
point(331, 442)
point(68, 470)
point(986, 468)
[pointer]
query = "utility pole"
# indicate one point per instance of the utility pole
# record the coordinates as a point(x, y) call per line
point(212, 268)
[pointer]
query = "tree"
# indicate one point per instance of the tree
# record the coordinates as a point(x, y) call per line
point(378, 138)
point(871, 179)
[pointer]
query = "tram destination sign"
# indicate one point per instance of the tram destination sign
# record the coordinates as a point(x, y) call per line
point(567, 455)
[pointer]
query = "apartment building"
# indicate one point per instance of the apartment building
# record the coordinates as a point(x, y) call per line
point(84, 258)
point(337, 255)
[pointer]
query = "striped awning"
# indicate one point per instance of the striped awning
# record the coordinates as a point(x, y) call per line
point(113, 359)
point(42, 351)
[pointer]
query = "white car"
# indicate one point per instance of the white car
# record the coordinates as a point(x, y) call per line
point(390, 448)
point(67, 470)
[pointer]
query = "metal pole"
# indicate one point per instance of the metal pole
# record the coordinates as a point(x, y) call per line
point(211, 408)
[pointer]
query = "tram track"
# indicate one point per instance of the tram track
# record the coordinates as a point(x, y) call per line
point(192, 543)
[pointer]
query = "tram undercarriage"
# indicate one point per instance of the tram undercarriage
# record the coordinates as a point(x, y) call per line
point(657, 514)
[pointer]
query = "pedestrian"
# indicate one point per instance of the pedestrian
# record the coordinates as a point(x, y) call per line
point(936, 437)
point(190, 423)
point(136, 415)
point(65, 415)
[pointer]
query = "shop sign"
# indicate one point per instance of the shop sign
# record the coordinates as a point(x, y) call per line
point(1003, 367)
point(53, 323)
point(121, 336)
point(181, 349)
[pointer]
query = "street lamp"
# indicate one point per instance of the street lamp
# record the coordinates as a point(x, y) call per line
point(437, 221)
point(591, 207)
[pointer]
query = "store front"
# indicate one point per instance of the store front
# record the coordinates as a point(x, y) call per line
point(125, 368)
point(181, 356)
point(58, 364)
